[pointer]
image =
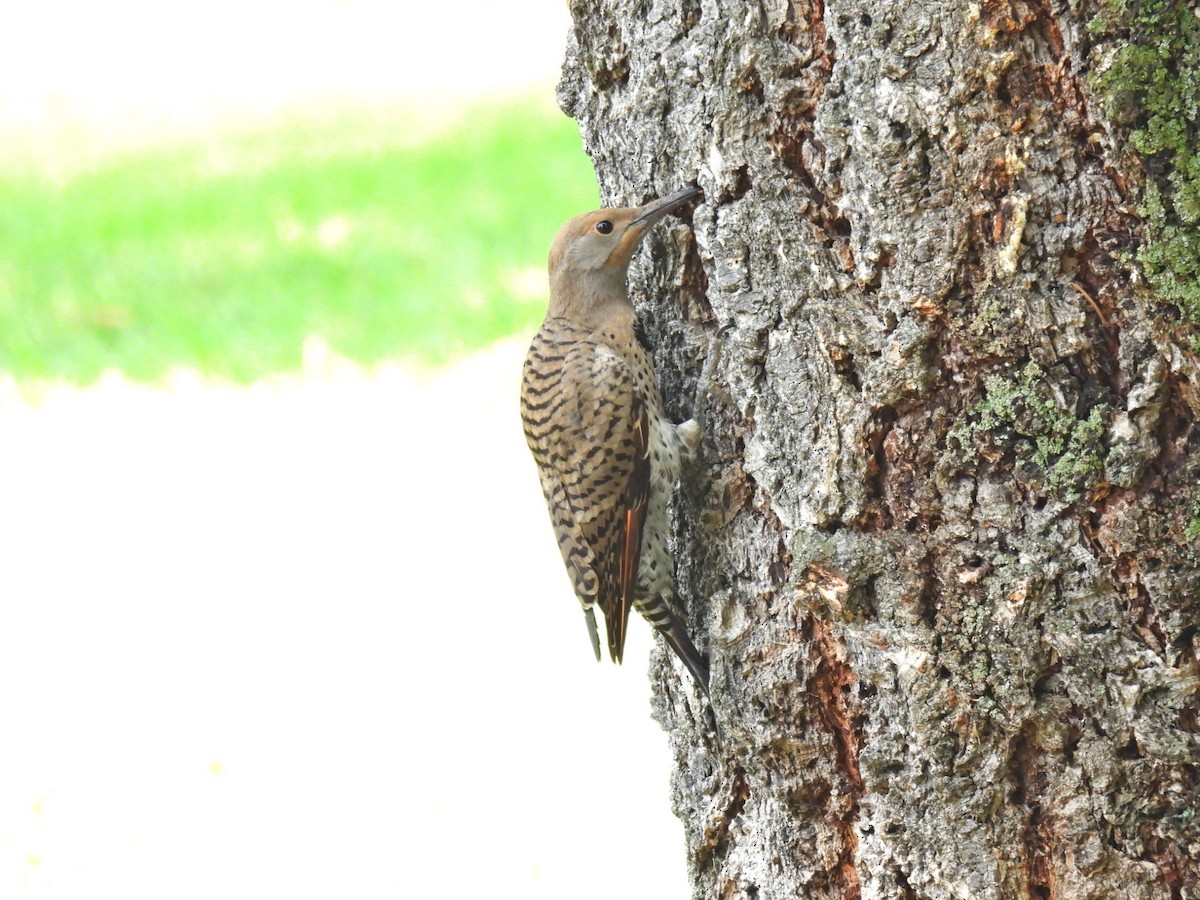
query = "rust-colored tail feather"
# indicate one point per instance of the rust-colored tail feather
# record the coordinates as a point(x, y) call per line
point(634, 501)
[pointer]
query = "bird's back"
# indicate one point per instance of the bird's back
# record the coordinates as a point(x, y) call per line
point(587, 403)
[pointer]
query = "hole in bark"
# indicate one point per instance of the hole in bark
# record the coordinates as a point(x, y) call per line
point(926, 601)
point(751, 83)
point(906, 890)
point(1071, 742)
point(781, 566)
point(843, 364)
point(1185, 636)
point(691, 15)
point(900, 131)
point(1130, 750)
point(876, 281)
point(742, 184)
point(865, 20)
point(1040, 686)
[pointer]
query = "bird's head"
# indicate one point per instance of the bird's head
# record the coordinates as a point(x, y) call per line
point(589, 259)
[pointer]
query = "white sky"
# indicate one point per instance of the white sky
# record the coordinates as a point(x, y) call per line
point(182, 59)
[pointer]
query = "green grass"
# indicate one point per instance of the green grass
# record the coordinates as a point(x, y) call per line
point(225, 255)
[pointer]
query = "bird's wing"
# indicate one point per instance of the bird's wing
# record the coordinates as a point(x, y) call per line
point(603, 470)
point(634, 502)
point(577, 555)
point(549, 413)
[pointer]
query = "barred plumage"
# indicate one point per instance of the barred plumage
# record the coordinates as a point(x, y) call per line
point(607, 455)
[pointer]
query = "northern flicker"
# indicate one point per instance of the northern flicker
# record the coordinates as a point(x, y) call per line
point(607, 455)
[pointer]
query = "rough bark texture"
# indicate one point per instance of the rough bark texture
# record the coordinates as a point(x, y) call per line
point(943, 547)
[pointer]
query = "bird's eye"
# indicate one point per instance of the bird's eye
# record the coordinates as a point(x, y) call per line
point(604, 226)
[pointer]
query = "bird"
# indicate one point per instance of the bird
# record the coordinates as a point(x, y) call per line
point(607, 455)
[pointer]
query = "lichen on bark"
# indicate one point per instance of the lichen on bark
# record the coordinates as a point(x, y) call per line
point(1149, 76)
point(1059, 448)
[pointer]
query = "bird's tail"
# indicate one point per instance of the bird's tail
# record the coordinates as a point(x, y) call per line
point(662, 617)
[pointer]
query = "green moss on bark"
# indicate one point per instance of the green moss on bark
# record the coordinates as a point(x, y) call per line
point(1057, 451)
point(1192, 530)
point(1151, 85)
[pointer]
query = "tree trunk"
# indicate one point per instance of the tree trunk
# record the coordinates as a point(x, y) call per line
point(942, 546)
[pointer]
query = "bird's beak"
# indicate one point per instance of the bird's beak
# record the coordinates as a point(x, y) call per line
point(656, 209)
point(643, 218)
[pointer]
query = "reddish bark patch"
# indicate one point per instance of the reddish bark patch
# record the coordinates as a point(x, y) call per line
point(805, 25)
point(878, 515)
point(904, 447)
point(831, 683)
point(1017, 16)
point(1178, 871)
point(716, 834)
point(1029, 777)
point(792, 138)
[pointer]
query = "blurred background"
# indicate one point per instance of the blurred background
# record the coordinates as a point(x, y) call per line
point(280, 609)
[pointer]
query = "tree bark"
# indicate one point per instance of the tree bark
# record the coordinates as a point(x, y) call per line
point(942, 546)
